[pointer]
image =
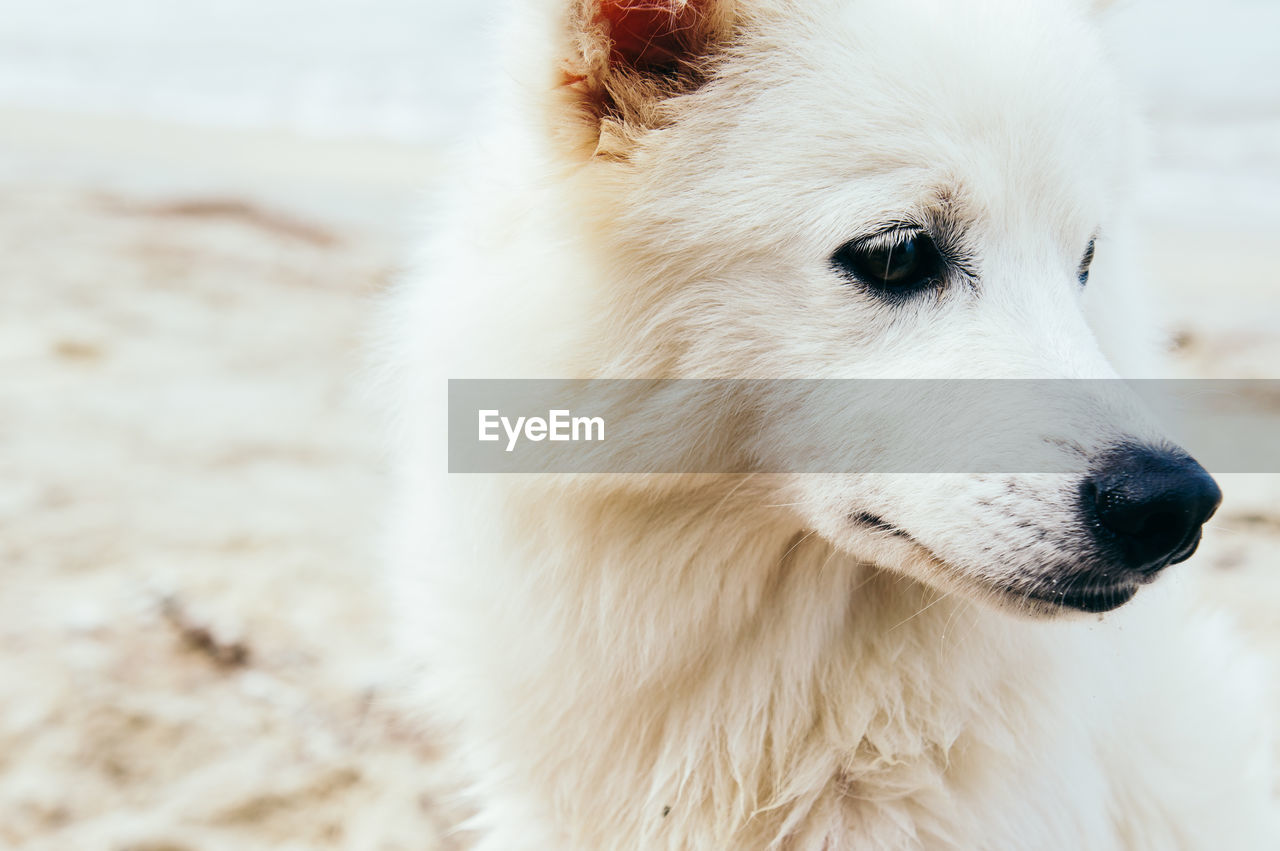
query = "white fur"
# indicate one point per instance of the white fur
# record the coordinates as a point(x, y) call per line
point(702, 662)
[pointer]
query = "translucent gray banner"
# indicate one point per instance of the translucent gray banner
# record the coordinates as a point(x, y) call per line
point(853, 426)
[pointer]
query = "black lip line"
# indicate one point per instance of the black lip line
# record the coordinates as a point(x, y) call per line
point(1113, 596)
point(866, 518)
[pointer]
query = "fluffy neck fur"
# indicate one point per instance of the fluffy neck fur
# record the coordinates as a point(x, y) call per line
point(872, 696)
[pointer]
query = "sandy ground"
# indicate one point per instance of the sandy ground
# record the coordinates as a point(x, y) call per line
point(190, 646)
point(190, 639)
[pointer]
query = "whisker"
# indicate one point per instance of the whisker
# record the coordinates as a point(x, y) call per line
point(724, 499)
point(792, 548)
point(936, 601)
point(1218, 527)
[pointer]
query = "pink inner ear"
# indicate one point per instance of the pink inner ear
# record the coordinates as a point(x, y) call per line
point(652, 34)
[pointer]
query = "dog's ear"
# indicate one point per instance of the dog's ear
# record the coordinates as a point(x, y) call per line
point(657, 36)
point(627, 57)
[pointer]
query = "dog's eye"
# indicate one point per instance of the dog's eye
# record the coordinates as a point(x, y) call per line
point(1085, 263)
point(894, 263)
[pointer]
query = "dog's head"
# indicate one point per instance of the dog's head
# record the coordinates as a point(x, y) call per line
point(881, 188)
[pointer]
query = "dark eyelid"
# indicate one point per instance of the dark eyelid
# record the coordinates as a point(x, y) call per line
point(946, 238)
point(1086, 260)
point(940, 229)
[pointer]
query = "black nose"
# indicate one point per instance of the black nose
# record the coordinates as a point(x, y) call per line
point(1151, 504)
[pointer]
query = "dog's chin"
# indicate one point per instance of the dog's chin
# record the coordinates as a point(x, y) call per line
point(1062, 595)
point(1046, 599)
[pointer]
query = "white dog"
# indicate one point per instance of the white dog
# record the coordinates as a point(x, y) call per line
point(811, 189)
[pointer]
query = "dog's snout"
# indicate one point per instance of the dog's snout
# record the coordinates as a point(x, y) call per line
point(1150, 505)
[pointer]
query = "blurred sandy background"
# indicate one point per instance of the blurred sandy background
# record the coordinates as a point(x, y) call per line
point(197, 202)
